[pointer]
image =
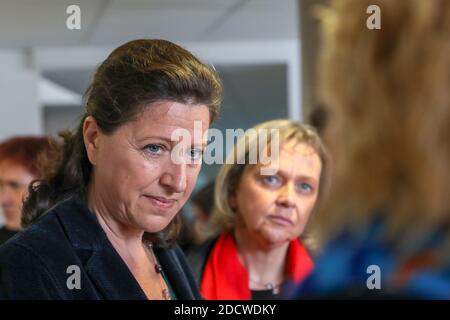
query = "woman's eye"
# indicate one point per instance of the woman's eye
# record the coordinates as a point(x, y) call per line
point(154, 148)
point(305, 188)
point(272, 180)
point(195, 154)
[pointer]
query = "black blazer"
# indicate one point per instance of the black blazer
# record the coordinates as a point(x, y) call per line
point(34, 264)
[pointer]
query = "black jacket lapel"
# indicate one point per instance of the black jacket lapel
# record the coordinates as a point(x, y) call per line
point(105, 268)
point(112, 277)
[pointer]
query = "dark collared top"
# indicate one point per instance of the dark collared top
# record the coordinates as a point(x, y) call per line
point(36, 263)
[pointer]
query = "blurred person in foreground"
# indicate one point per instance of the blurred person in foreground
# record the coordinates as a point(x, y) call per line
point(261, 210)
point(386, 223)
point(104, 224)
point(22, 160)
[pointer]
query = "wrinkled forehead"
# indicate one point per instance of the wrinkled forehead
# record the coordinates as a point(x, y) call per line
point(290, 148)
point(166, 117)
point(293, 147)
point(291, 156)
point(7, 165)
point(176, 111)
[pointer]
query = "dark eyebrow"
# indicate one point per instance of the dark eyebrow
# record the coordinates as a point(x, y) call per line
point(172, 142)
point(157, 137)
point(13, 182)
point(203, 145)
point(301, 177)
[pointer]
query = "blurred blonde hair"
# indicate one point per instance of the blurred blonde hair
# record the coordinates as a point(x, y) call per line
point(229, 176)
point(388, 94)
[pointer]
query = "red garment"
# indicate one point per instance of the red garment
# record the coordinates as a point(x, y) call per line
point(225, 277)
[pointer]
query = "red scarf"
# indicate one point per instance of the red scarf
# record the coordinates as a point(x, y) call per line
point(225, 278)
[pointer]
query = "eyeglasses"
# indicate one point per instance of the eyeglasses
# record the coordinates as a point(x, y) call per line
point(15, 186)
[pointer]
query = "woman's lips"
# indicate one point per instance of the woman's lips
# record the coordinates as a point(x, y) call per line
point(161, 202)
point(283, 221)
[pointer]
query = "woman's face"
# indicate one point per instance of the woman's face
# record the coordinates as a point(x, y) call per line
point(274, 209)
point(14, 181)
point(135, 179)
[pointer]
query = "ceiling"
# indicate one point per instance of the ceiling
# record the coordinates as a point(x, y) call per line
point(258, 91)
point(30, 23)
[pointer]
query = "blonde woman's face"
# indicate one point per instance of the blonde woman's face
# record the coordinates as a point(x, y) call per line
point(275, 209)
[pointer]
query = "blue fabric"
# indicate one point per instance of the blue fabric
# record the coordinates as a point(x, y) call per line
point(341, 268)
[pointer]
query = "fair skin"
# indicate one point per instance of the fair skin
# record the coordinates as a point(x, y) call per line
point(14, 181)
point(273, 210)
point(135, 185)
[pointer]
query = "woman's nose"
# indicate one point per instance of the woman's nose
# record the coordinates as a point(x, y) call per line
point(174, 178)
point(286, 196)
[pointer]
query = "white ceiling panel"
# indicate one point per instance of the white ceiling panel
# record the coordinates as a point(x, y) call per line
point(28, 23)
point(174, 20)
point(260, 20)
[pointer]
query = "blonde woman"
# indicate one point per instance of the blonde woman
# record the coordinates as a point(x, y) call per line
point(261, 210)
point(387, 222)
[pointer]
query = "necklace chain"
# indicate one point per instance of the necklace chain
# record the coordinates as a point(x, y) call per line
point(158, 269)
point(275, 287)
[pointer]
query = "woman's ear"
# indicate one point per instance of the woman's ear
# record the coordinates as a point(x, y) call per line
point(91, 133)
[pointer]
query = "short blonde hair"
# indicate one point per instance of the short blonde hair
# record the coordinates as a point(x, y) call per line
point(228, 178)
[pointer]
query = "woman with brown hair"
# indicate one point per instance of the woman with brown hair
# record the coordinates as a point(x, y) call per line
point(387, 94)
point(102, 224)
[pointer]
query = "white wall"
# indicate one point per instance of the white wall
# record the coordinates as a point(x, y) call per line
point(19, 106)
point(225, 53)
point(21, 84)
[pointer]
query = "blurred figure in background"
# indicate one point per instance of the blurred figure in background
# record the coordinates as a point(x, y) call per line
point(260, 217)
point(186, 237)
point(386, 222)
point(202, 205)
point(195, 231)
point(22, 160)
